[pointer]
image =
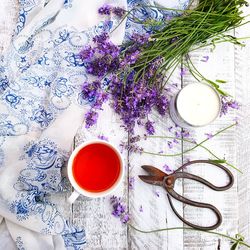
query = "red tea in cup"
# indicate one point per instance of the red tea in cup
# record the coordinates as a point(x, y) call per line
point(96, 167)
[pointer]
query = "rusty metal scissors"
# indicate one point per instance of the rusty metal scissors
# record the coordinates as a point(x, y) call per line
point(160, 178)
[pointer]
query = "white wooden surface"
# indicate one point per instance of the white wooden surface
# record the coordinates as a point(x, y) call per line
point(103, 231)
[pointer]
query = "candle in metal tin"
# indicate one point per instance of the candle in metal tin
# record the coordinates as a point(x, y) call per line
point(195, 105)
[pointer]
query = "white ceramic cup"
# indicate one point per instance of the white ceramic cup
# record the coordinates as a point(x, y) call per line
point(79, 190)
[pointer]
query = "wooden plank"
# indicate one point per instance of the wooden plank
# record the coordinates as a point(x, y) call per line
point(219, 66)
point(103, 230)
point(8, 17)
point(242, 79)
point(156, 210)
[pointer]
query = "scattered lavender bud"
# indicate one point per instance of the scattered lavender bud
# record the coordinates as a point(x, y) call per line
point(157, 193)
point(90, 118)
point(125, 218)
point(205, 58)
point(102, 137)
point(227, 104)
point(170, 145)
point(131, 183)
point(167, 168)
point(183, 72)
point(141, 209)
point(209, 135)
point(119, 209)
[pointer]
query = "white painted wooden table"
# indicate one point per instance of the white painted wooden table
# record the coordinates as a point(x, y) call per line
point(103, 231)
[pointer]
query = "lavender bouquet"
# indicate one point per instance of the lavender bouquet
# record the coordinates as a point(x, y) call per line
point(134, 75)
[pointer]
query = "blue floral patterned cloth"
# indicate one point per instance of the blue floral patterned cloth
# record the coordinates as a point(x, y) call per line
point(40, 110)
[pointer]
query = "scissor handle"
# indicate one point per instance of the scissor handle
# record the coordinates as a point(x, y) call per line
point(178, 197)
point(177, 174)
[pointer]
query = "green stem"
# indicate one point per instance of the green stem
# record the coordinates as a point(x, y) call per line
point(191, 142)
point(192, 148)
point(191, 229)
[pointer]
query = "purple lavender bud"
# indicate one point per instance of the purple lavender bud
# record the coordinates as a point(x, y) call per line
point(149, 127)
point(157, 193)
point(141, 39)
point(120, 12)
point(205, 58)
point(209, 135)
point(167, 168)
point(131, 183)
point(102, 137)
point(101, 38)
point(183, 72)
point(87, 53)
point(90, 118)
point(125, 218)
point(105, 10)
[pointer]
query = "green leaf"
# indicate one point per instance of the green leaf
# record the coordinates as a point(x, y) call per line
point(235, 246)
point(220, 81)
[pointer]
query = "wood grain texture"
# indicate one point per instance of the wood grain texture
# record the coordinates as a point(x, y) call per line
point(219, 66)
point(242, 80)
point(156, 210)
point(8, 17)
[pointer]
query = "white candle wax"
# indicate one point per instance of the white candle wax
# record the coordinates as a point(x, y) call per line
point(198, 104)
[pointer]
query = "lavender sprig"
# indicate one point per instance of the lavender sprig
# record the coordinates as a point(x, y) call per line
point(196, 145)
point(119, 209)
point(236, 241)
point(134, 100)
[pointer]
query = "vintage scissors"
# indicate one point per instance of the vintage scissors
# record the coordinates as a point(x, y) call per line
point(158, 177)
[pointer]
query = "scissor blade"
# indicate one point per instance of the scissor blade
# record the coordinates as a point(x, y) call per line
point(153, 171)
point(153, 180)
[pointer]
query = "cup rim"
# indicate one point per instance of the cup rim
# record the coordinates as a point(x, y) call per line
point(79, 189)
point(197, 126)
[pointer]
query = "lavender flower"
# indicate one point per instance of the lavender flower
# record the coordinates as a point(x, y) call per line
point(125, 218)
point(87, 53)
point(141, 208)
point(183, 72)
point(90, 118)
point(185, 134)
point(170, 145)
point(227, 104)
point(157, 193)
point(119, 12)
point(209, 135)
point(167, 168)
point(133, 100)
point(140, 39)
point(119, 209)
point(205, 58)
point(170, 129)
point(105, 10)
point(175, 141)
point(102, 137)
point(131, 183)
point(101, 38)
point(150, 128)
point(162, 105)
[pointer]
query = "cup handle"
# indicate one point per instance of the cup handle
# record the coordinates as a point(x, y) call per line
point(73, 197)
